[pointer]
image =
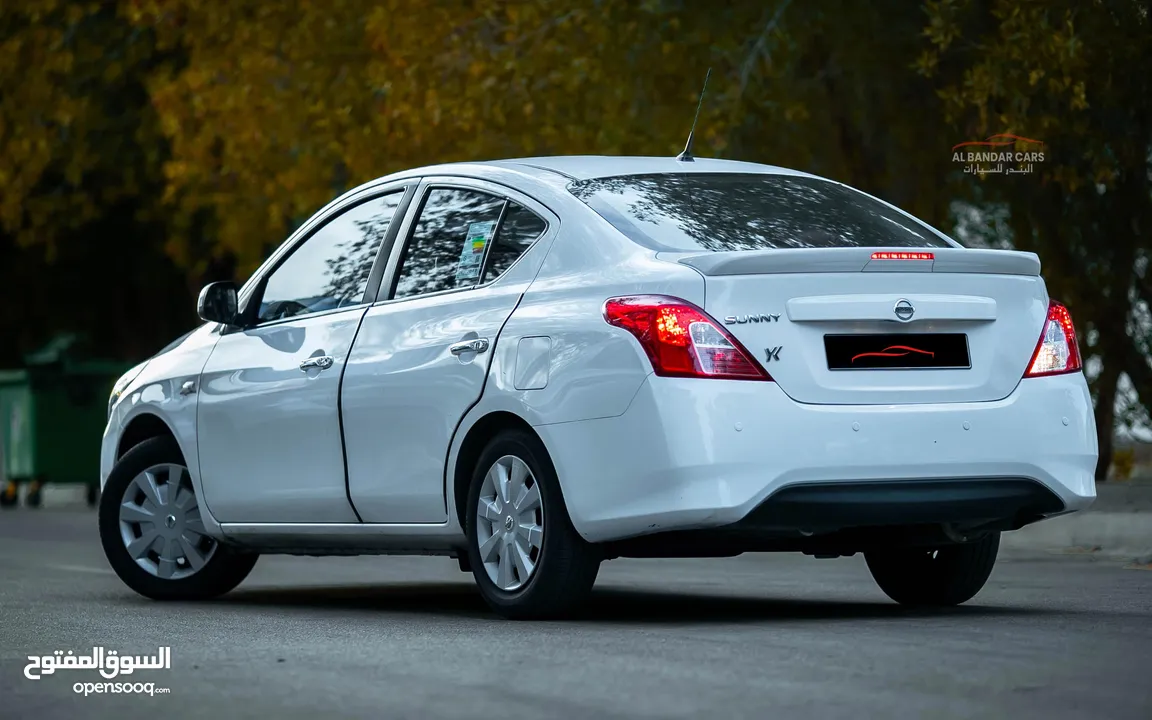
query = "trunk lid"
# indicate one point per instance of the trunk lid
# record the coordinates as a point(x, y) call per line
point(824, 322)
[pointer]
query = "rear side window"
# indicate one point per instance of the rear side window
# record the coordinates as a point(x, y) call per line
point(719, 212)
point(464, 238)
point(446, 250)
point(518, 231)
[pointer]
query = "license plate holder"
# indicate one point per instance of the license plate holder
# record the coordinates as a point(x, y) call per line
point(903, 351)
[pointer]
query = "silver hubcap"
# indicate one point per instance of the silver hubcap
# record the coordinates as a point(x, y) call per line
point(510, 523)
point(160, 523)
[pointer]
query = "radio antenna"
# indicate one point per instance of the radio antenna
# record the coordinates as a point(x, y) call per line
point(686, 155)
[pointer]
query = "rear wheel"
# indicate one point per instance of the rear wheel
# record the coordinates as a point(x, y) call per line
point(948, 575)
point(152, 532)
point(528, 560)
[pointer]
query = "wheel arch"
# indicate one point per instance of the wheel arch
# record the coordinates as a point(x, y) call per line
point(146, 424)
point(142, 427)
point(477, 437)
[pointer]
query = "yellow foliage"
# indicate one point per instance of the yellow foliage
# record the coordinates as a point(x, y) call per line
point(238, 119)
point(278, 107)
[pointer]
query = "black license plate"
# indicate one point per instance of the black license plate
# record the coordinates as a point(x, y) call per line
point(897, 352)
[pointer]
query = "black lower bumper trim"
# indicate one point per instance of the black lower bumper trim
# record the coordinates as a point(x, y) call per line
point(842, 518)
point(823, 507)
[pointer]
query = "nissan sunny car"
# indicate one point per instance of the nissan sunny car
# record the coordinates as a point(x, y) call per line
point(537, 365)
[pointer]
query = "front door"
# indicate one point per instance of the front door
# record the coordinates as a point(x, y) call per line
point(268, 420)
point(422, 356)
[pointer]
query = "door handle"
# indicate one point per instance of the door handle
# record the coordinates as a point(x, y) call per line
point(318, 363)
point(478, 345)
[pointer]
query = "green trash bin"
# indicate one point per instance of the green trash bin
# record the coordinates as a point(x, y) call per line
point(15, 433)
point(52, 418)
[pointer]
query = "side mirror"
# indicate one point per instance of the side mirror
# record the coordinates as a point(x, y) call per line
point(218, 303)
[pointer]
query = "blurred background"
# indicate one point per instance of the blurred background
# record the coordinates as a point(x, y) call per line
point(150, 146)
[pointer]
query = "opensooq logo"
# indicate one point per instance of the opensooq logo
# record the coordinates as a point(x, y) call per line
point(110, 664)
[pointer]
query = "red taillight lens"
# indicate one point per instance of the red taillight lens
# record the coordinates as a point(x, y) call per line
point(1057, 352)
point(885, 255)
point(681, 340)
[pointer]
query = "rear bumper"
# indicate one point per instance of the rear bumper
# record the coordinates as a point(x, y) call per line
point(696, 454)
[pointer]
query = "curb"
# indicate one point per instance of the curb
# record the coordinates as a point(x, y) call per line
point(56, 495)
point(1112, 533)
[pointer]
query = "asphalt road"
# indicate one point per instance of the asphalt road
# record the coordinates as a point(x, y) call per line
point(1051, 636)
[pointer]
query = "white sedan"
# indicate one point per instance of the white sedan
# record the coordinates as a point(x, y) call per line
point(537, 365)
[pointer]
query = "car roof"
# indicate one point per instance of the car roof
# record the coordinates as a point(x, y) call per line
point(587, 167)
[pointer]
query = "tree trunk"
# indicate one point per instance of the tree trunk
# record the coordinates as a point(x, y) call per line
point(1106, 413)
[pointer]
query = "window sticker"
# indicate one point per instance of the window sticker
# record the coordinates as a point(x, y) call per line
point(472, 253)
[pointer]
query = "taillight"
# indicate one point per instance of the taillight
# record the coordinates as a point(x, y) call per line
point(1057, 352)
point(681, 340)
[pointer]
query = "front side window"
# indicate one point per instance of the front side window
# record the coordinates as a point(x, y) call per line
point(735, 211)
point(330, 269)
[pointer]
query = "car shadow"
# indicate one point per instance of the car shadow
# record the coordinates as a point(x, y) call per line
point(609, 605)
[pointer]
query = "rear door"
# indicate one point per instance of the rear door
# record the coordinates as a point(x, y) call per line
point(422, 354)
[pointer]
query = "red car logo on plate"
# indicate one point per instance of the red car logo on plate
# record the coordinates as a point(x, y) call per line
point(894, 351)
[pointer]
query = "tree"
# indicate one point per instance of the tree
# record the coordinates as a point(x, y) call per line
point(1079, 77)
point(281, 106)
point(81, 243)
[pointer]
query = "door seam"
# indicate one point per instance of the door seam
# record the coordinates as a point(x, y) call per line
point(340, 416)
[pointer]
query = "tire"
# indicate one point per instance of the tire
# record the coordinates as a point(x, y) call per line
point(946, 576)
point(224, 567)
point(564, 565)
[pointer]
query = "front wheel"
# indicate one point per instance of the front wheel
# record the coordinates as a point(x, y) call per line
point(528, 560)
point(152, 532)
point(948, 575)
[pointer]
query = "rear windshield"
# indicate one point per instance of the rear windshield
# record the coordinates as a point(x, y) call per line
point(693, 212)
